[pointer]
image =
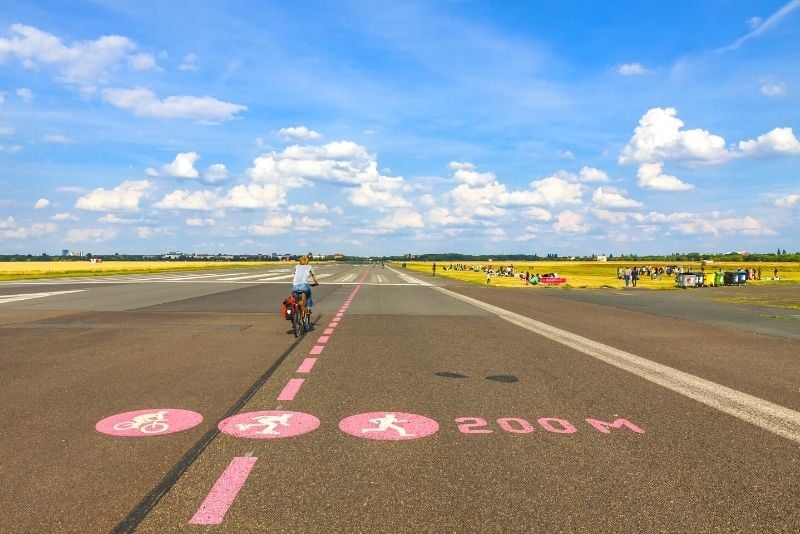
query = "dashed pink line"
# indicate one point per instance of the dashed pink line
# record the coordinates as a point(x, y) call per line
point(316, 349)
point(328, 331)
point(307, 365)
point(290, 389)
point(323, 339)
point(225, 490)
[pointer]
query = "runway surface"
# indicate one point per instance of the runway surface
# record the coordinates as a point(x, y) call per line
point(181, 403)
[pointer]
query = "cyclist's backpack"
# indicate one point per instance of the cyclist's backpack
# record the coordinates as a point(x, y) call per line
point(286, 308)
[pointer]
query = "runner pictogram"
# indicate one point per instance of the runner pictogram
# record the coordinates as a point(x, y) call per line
point(154, 422)
point(269, 424)
point(388, 426)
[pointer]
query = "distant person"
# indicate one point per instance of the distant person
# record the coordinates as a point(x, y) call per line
point(434, 268)
point(775, 273)
point(627, 275)
point(300, 283)
point(634, 276)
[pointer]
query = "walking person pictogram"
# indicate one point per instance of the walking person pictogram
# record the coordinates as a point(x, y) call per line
point(388, 421)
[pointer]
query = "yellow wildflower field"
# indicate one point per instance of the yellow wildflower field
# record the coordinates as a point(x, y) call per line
point(53, 269)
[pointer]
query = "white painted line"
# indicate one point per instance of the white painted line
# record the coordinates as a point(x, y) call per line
point(231, 279)
point(28, 296)
point(764, 414)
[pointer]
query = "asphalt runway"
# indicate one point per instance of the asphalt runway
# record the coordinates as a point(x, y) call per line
point(181, 403)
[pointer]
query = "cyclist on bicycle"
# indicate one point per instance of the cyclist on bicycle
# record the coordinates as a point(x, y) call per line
point(300, 283)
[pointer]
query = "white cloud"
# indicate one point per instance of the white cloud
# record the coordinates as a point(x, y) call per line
point(316, 207)
point(197, 221)
point(659, 138)
point(651, 177)
point(12, 149)
point(8, 223)
point(298, 133)
point(144, 103)
point(94, 235)
point(761, 27)
point(143, 62)
point(538, 214)
point(6, 130)
point(183, 166)
point(590, 174)
point(83, 63)
point(780, 141)
point(402, 218)
point(565, 154)
point(747, 225)
point(146, 232)
point(773, 89)
point(64, 217)
point(380, 194)
point(754, 22)
point(25, 94)
point(215, 173)
point(41, 204)
point(124, 197)
point(632, 69)
point(555, 191)
point(273, 225)
point(254, 196)
point(614, 217)
point(610, 197)
point(788, 201)
point(572, 222)
point(188, 200)
point(114, 219)
point(57, 139)
point(35, 230)
point(443, 216)
point(189, 63)
point(465, 173)
point(313, 225)
point(2, 97)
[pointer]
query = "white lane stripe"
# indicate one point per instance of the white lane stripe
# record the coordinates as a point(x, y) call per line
point(764, 414)
point(29, 296)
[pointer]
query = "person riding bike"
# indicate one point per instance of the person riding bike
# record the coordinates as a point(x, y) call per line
point(300, 283)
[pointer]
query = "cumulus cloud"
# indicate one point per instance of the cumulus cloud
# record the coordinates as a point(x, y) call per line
point(590, 174)
point(298, 133)
point(94, 235)
point(610, 197)
point(189, 63)
point(402, 218)
point(64, 217)
point(272, 225)
point(124, 197)
point(34, 230)
point(115, 219)
point(659, 137)
point(310, 224)
point(41, 204)
point(465, 173)
point(571, 222)
point(651, 177)
point(182, 166)
point(6, 130)
point(780, 141)
point(143, 62)
point(188, 200)
point(84, 63)
point(254, 196)
point(538, 214)
point(9, 222)
point(144, 103)
point(747, 225)
point(631, 69)
point(788, 201)
point(215, 173)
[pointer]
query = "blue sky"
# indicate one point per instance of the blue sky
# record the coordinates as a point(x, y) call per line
point(377, 128)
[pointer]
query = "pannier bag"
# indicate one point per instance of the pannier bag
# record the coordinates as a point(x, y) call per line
point(286, 308)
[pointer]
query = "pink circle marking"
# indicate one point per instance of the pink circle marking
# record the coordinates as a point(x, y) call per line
point(152, 422)
point(269, 424)
point(388, 426)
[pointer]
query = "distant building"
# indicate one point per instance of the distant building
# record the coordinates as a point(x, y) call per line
point(601, 258)
point(338, 256)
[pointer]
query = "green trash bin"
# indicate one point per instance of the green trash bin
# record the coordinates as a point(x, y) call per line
point(719, 279)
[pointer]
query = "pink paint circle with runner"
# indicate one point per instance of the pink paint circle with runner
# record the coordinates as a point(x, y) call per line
point(270, 424)
point(151, 422)
point(388, 426)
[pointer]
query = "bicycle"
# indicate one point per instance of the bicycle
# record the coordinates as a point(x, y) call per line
point(301, 314)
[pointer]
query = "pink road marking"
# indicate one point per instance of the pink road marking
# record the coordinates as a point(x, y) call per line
point(339, 315)
point(323, 339)
point(316, 349)
point(291, 389)
point(151, 422)
point(328, 331)
point(225, 490)
point(307, 365)
point(388, 426)
point(268, 425)
point(333, 324)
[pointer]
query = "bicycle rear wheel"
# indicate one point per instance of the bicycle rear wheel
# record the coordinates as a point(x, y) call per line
point(306, 319)
point(297, 320)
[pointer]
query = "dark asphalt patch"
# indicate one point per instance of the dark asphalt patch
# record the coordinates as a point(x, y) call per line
point(448, 374)
point(507, 379)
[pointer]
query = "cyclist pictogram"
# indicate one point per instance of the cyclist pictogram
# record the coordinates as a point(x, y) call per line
point(154, 422)
point(269, 424)
point(388, 426)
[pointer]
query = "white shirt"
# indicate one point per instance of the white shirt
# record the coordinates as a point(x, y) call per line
point(301, 273)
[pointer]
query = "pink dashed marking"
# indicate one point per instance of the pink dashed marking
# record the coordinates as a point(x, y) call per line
point(152, 422)
point(323, 339)
point(307, 365)
point(388, 426)
point(315, 350)
point(269, 424)
point(225, 490)
point(290, 389)
point(333, 324)
point(328, 331)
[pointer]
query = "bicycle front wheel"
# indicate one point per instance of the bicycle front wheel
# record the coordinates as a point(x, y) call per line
point(306, 320)
point(297, 322)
